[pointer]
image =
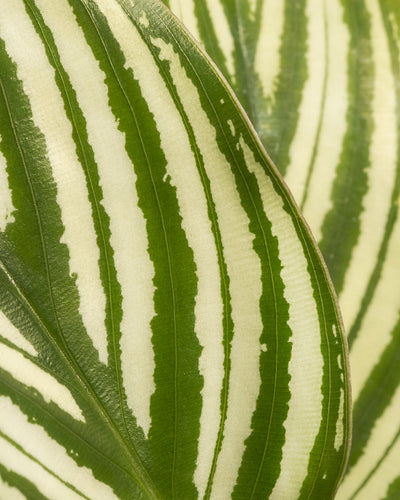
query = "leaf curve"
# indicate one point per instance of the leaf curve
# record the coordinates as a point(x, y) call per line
point(328, 73)
point(167, 321)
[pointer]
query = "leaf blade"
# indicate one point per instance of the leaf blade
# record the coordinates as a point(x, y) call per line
point(224, 176)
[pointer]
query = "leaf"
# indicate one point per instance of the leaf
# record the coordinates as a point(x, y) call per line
point(168, 329)
point(320, 82)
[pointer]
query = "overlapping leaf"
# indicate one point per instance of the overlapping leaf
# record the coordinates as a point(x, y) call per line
point(320, 81)
point(167, 328)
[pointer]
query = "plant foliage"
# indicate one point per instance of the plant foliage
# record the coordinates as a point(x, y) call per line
point(320, 82)
point(168, 327)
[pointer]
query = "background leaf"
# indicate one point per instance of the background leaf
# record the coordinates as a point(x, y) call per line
point(320, 82)
point(168, 329)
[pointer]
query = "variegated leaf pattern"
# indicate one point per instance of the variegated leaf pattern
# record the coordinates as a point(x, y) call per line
point(168, 329)
point(320, 80)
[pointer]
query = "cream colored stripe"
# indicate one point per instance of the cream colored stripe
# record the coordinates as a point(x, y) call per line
point(252, 5)
point(48, 112)
point(306, 366)
point(333, 127)
point(382, 316)
point(340, 422)
point(184, 10)
point(383, 434)
point(36, 442)
point(26, 372)
point(9, 493)
point(381, 173)
point(342, 417)
point(267, 62)
point(388, 471)
point(223, 32)
point(20, 464)
point(301, 149)
point(195, 222)
point(11, 333)
point(6, 204)
point(129, 241)
point(244, 272)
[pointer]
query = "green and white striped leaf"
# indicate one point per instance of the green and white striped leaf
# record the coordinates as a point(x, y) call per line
point(167, 326)
point(320, 80)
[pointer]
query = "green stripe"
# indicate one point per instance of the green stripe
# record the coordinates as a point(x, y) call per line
point(260, 466)
point(323, 455)
point(100, 218)
point(247, 83)
point(392, 217)
point(19, 152)
point(209, 38)
point(393, 492)
point(279, 126)
point(357, 327)
point(246, 187)
point(274, 116)
point(57, 306)
point(273, 309)
point(84, 445)
point(310, 169)
point(26, 487)
point(31, 457)
point(375, 468)
point(326, 464)
point(376, 395)
point(213, 216)
point(42, 300)
point(173, 434)
point(85, 442)
point(86, 158)
point(350, 185)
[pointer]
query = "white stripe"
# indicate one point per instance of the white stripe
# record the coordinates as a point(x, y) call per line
point(144, 20)
point(341, 421)
point(197, 227)
point(49, 115)
point(339, 438)
point(244, 272)
point(333, 127)
point(11, 333)
point(381, 316)
point(9, 493)
point(306, 367)
point(47, 484)
point(383, 434)
point(378, 486)
point(34, 440)
point(381, 173)
point(301, 149)
point(267, 62)
point(223, 33)
point(231, 127)
point(26, 372)
point(252, 6)
point(181, 173)
point(334, 120)
point(135, 271)
point(184, 10)
point(6, 204)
